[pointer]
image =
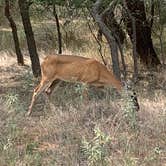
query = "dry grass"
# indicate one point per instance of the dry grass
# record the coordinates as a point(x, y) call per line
point(54, 134)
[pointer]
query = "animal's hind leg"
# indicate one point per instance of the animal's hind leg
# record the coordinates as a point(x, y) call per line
point(43, 85)
point(50, 89)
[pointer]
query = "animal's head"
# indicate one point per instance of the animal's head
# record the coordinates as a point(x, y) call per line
point(130, 95)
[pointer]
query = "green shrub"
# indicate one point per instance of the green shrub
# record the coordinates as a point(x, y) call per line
point(96, 150)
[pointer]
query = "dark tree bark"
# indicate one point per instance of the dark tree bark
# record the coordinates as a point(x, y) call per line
point(58, 30)
point(99, 35)
point(144, 44)
point(24, 10)
point(20, 59)
point(117, 33)
point(108, 35)
point(135, 56)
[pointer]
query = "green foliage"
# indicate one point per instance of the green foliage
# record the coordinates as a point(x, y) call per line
point(96, 150)
point(129, 161)
point(161, 7)
point(31, 147)
point(73, 4)
point(80, 89)
point(12, 99)
point(154, 156)
point(27, 80)
point(129, 109)
point(49, 2)
point(158, 150)
point(12, 102)
point(159, 11)
point(35, 160)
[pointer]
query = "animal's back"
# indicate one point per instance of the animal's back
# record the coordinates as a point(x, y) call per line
point(58, 64)
point(66, 67)
point(64, 58)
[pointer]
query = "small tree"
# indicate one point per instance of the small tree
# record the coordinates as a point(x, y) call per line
point(13, 26)
point(24, 10)
point(144, 43)
point(52, 4)
point(98, 16)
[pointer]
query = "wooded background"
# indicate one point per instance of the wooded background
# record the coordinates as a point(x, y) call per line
point(119, 23)
point(128, 36)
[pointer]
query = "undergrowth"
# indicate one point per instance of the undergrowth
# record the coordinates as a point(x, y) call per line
point(65, 132)
point(71, 132)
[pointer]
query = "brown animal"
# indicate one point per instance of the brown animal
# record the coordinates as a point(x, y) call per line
point(73, 69)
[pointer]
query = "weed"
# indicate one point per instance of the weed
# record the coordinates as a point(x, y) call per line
point(81, 90)
point(8, 144)
point(12, 102)
point(130, 112)
point(70, 121)
point(11, 99)
point(129, 161)
point(31, 147)
point(95, 150)
point(27, 80)
point(35, 159)
point(154, 156)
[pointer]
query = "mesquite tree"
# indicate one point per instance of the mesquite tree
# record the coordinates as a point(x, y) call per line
point(98, 16)
point(13, 26)
point(51, 4)
point(24, 10)
point(144, 43)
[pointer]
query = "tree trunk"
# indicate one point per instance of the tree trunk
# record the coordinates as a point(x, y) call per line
point(108, 35)
point(117, 33)
point(135, 57)
point(144, 44)
point(58, 30)
point(24, 10)
point(20, 59)
point(161, 31)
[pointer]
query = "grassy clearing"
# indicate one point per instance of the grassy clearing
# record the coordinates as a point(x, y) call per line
point(68, 132)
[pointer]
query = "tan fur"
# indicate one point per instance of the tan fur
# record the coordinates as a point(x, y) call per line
point(73, 69)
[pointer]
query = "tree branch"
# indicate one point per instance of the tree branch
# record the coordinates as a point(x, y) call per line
point(108, 35)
